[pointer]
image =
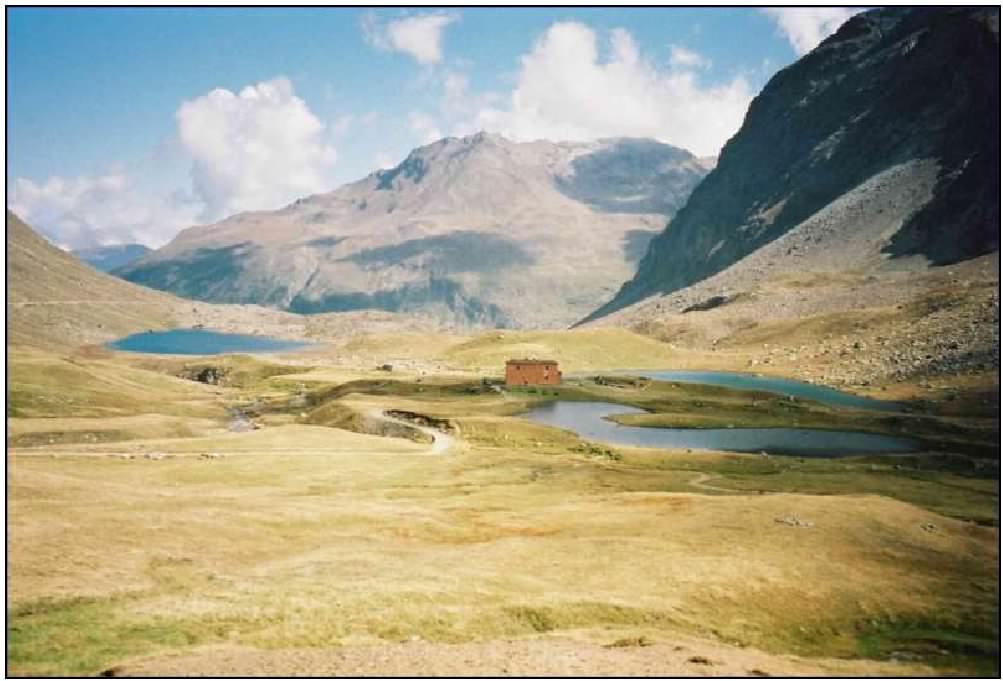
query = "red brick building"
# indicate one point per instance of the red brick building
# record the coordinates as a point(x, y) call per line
point(532, 372)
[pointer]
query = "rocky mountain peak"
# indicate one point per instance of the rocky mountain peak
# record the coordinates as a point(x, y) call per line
point(476, 229)
point(901, 87)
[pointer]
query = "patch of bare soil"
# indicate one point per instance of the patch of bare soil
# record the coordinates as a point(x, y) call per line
point(525, 657)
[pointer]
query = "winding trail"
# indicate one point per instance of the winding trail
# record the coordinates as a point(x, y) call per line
point(700, 482)
point(441, 442)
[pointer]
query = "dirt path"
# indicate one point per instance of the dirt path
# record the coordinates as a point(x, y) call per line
point(700, 482)
point(441, 442)
point(524, 657)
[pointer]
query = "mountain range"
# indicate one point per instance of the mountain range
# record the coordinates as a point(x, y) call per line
point(877, 152)
point(476, 230)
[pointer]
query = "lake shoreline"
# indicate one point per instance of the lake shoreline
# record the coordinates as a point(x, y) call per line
point(595, 421)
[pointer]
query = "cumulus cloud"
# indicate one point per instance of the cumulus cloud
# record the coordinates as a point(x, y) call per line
point(83, 212)
point(260, 148)
point(419, 36)
point(806, 27)
point(681, 57)
point(256, 149)
point(567, 90)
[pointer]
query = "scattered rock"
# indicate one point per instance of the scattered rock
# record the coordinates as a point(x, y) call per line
point(709, 304)
point(793, 521)
point(631, 642)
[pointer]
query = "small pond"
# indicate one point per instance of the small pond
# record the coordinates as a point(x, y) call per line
point(782, 386)
point(586, 419)
point(201, 342)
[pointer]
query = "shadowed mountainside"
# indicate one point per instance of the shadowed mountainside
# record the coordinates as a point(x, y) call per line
point(915, 89)
point(108, 258)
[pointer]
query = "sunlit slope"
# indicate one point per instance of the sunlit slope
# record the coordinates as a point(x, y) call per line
point(580, 350)
point(54, 300)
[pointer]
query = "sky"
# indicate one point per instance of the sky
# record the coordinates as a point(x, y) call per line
point(129, 124)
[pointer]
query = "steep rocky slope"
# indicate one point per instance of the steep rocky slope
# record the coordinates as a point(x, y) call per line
point(478, 230)
point(896, 93)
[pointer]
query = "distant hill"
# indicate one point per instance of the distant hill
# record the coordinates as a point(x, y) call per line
point(107, 258)
point(878, 150)
point(477, 231)
point(53, 299)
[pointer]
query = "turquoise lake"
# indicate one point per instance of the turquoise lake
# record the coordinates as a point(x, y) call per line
point(201, 342)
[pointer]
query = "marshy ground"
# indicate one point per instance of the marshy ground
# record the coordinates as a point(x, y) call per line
point(147, 535)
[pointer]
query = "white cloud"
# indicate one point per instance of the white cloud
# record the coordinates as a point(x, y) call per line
point(82, 212)
point(256, 149)
point(424, 127)
point(454, 90)
point(370, 118)
point(419, 36)
point(566, 91)
point(342, 124)
point(806, 27)
point(383, 160)
point(680, 57)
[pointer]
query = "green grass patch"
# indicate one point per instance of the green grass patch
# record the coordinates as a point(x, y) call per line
point(82, 636)
point(967, 648)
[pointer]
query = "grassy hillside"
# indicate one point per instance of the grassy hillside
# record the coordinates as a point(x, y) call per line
point(54, 300)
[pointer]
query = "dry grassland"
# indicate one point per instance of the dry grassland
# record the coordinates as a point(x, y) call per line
point(302, 548)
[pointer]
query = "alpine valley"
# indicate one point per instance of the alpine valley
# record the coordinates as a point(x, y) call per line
point(509, 408)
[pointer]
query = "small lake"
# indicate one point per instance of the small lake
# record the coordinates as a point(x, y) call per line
point(201, 342)
point(782, 386)
point(586, 419)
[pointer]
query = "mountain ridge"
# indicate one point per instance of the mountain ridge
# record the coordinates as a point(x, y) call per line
point(900, 85)
point(477, 230)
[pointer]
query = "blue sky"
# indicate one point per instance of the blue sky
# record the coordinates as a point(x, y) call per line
point(130, 124)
